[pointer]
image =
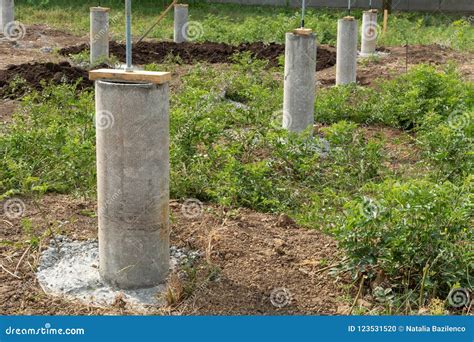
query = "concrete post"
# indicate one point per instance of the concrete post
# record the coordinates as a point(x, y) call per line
point(132, 123)
point(99, 32)
point(180, 23)
point(299, 81)
point(7, 13)
point(346, 63)
point(370, 31)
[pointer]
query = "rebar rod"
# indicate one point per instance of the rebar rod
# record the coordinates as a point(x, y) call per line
point(128, 34)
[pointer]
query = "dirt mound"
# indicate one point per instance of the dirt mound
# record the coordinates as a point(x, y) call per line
point(35, 73)
point(156, 52)
point(252, 263)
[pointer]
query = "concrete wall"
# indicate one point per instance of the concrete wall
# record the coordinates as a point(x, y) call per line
point(402, 5)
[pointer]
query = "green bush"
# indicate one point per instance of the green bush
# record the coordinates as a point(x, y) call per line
point(50, 145)
point(417, 234)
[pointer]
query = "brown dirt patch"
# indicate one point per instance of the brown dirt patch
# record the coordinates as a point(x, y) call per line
point(157, 52)
point(28, 49)
point(7, 108)
point(254, 253)
point(35, 73)
point(397, 61)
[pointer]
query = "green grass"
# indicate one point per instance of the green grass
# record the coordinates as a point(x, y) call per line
point(238, 156)
point(236, 23)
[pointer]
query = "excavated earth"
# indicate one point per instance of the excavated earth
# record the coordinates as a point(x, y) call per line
point(157, 52)
point(36, 75)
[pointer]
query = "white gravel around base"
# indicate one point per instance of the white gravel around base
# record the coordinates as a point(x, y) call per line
point(71, 269)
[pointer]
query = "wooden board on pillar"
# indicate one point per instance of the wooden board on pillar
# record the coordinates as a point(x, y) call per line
point(303, 31)
point(155, 77)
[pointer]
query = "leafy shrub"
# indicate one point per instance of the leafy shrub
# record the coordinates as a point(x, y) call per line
point(449, 144)
point(417, 234)
point(50, 145)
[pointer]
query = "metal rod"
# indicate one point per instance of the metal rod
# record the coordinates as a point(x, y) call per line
point(370, 4)
point(349, 6)
point(303, 6)
point(128, 33)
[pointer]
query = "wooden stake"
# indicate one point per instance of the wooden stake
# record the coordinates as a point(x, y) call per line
point(385, 21)
point(162, 15)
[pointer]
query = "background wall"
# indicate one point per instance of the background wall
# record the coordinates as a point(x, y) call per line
point(403, 5)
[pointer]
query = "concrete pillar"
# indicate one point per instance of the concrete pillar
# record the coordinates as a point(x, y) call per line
point(370, 31)
point(132, 123)
point(99, 32)
point(299, 81)
point(7, 13)
point(180, 23)
point(346, 63)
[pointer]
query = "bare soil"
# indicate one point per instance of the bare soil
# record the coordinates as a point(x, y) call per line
point(400, 59)
point(28, 49)
point(189, 52)
point(253, 253)
point(36, 74)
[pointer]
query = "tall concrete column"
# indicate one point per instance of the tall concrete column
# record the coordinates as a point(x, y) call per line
point(132, 123)
point(346, 63)
point(180, 23)
point(300, 81)
point(7, 13)
point(370, 31)
point(99, 34)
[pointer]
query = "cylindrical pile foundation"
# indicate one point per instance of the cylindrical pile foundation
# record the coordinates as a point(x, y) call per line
point(180, 23)
point(7, 13)
point(346, 63)
point(370, 31)
point(99, 34)
point(132, 121)
point(300, 81)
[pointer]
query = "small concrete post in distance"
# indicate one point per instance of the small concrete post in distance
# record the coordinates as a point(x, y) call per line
point(346, 62)
point(370, 32)
point(180, 23)
point(132, 125)
point(7, 13)
point(99, 34)
point(300, 80)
